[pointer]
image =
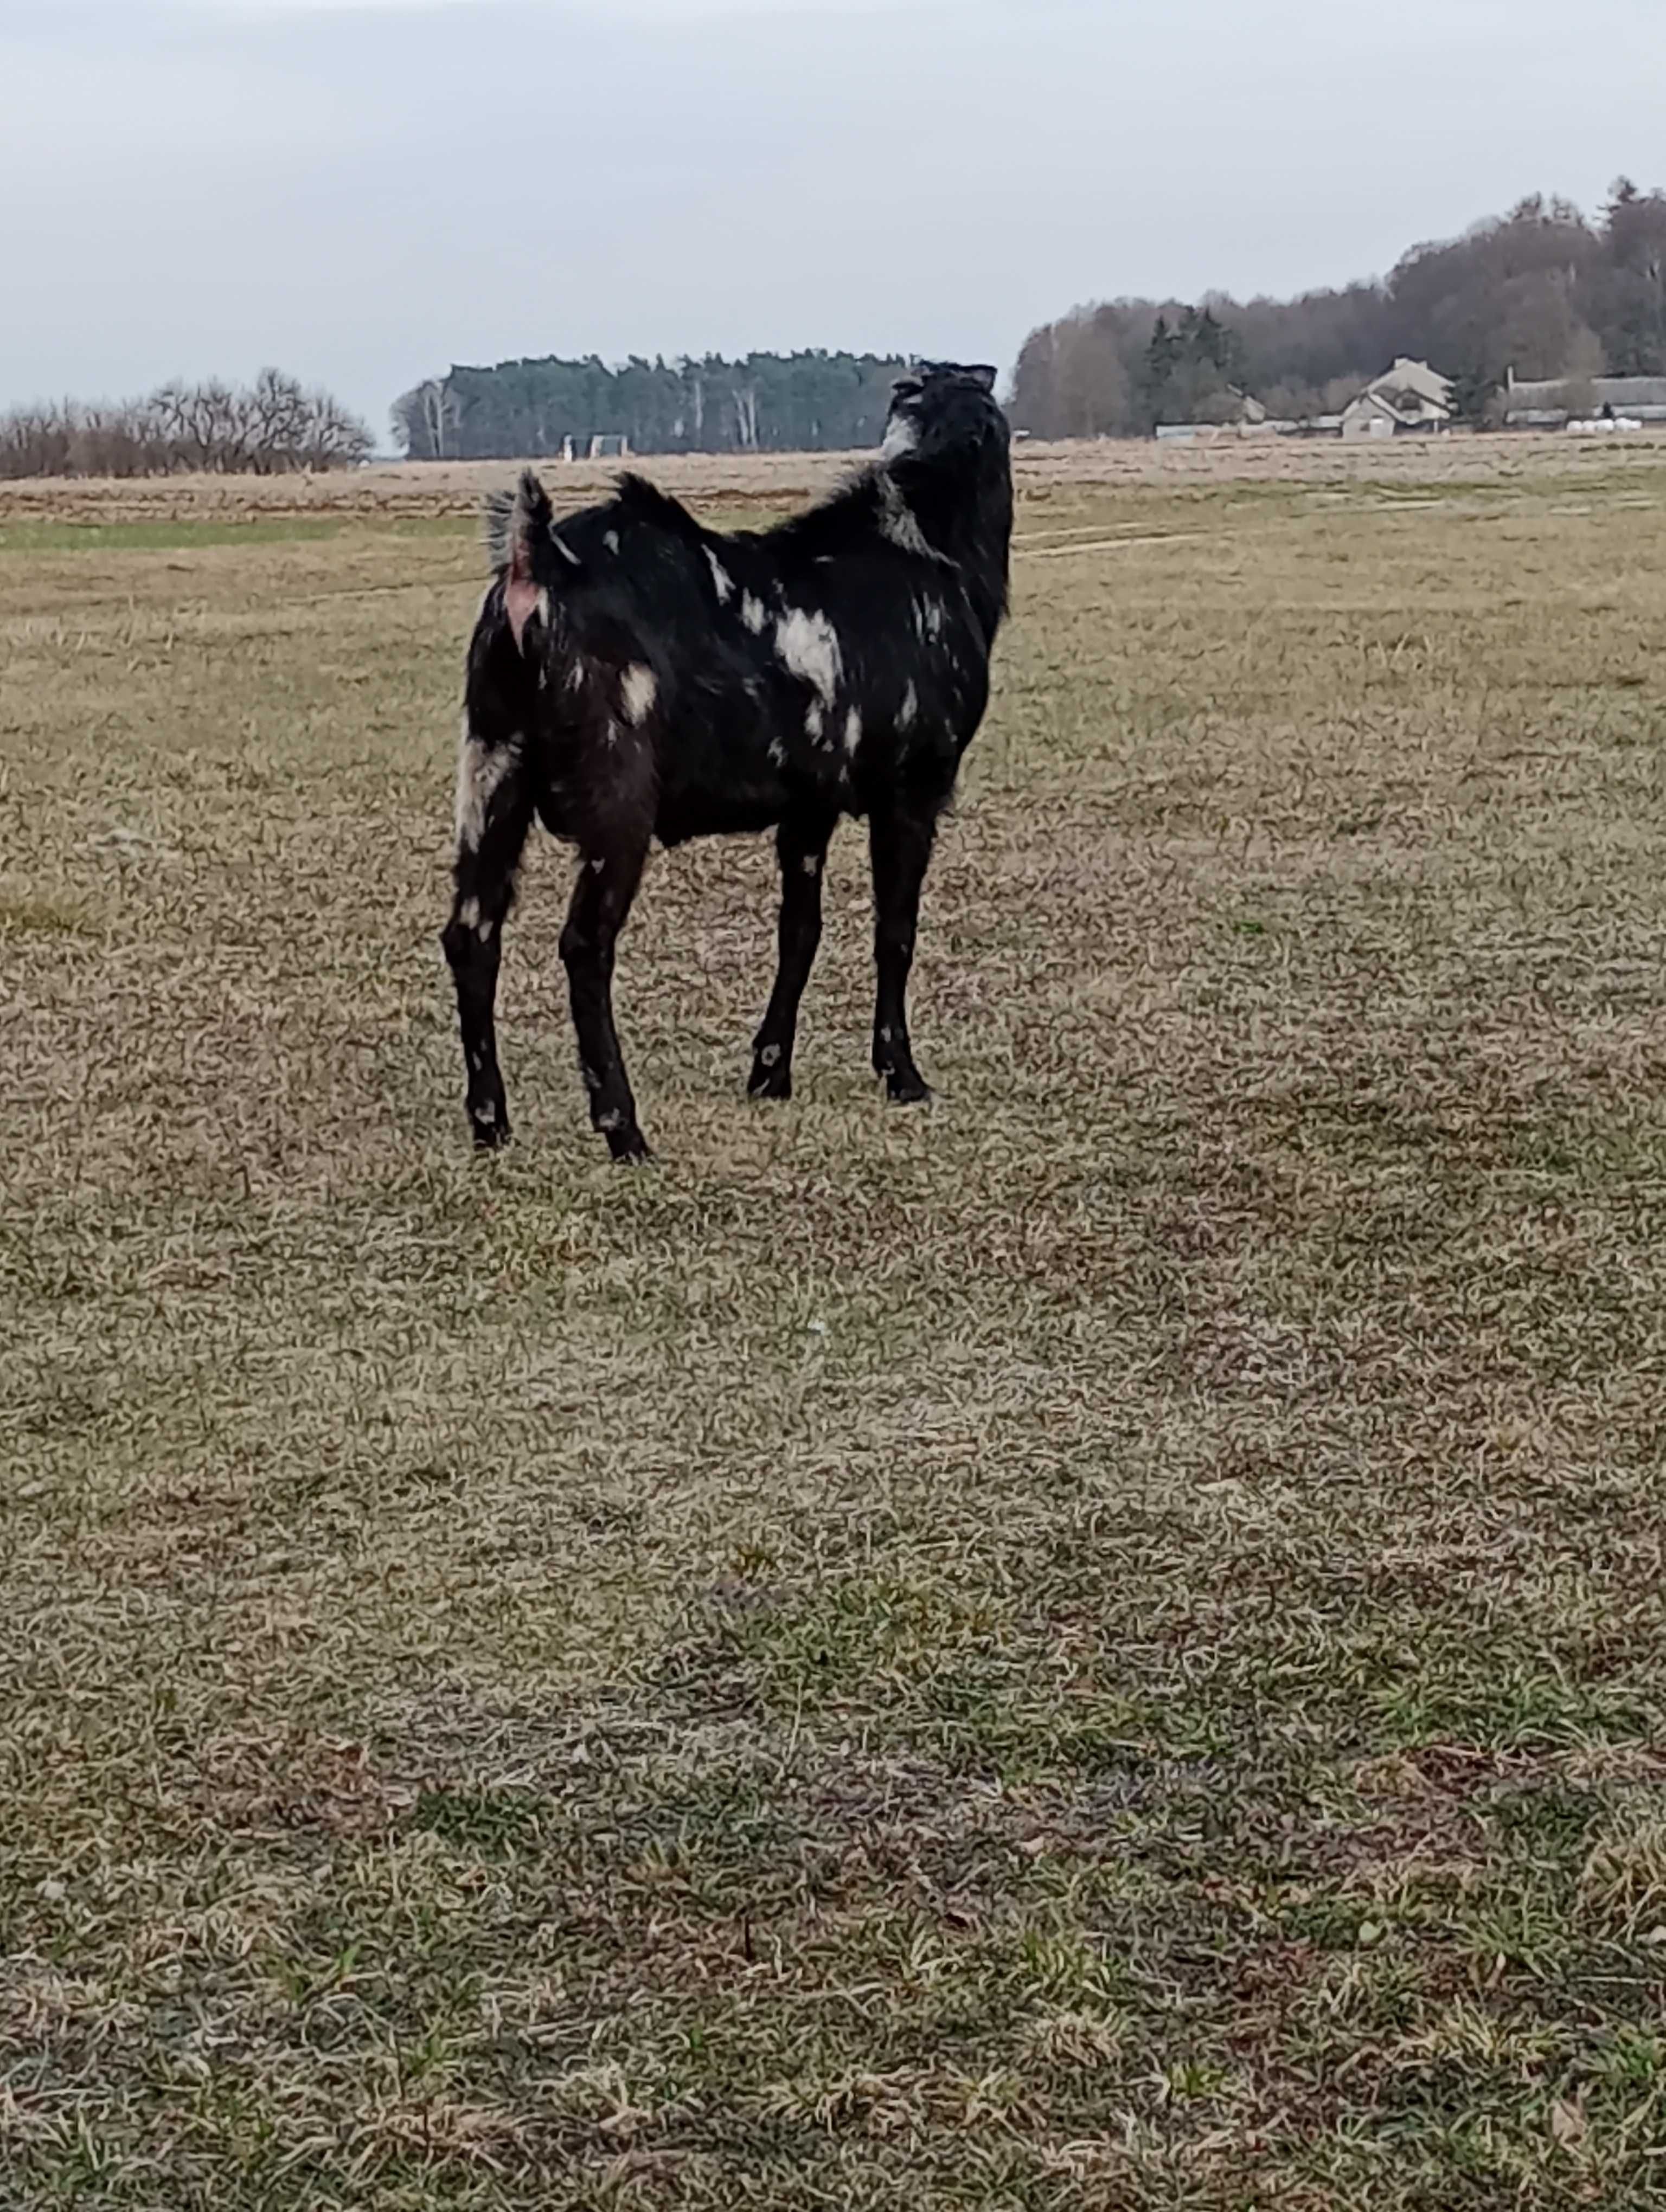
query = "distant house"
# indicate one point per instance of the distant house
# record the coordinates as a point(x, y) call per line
point(1409, 399)
point(1544, 404)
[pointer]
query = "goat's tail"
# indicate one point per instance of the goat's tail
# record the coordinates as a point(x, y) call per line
point(513, 518)
point(520, 525)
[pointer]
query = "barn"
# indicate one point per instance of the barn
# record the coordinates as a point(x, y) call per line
point(1548, 404)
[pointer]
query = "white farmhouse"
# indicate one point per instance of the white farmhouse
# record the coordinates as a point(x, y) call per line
point(1410, 398)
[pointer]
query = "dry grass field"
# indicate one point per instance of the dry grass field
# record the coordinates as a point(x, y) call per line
point(1099, 1646)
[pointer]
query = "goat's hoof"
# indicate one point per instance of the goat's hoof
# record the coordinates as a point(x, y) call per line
point(490, 1136)
point(908, 1088)
point(774, 1082)
point(628, 1146)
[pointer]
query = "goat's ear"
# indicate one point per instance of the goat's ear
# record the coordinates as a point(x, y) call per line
point(984, 376)
point(906, 387)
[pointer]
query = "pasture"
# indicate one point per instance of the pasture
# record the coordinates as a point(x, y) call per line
point(1097, 1646)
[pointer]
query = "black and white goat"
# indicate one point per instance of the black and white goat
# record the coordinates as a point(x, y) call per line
point(633, 675)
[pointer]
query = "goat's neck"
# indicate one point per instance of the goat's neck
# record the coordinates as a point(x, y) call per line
point(971, 524)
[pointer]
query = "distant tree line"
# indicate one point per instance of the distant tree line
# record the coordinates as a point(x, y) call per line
point(1543, 291)
point(272, 427)
point(765, 403)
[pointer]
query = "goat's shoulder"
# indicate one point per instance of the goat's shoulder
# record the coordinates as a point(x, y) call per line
point(868, 524)
point(844, 521)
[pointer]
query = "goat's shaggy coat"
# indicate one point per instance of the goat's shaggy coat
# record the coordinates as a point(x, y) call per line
point(633, 675)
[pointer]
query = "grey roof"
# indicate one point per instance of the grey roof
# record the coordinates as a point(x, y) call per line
point(1426, 385)
point(1616, 391)
point(1632, 390)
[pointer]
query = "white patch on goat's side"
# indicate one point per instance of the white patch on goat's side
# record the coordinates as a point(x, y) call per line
point(815, 720)
point(909, 708)
point(610, 539)
point(486, 1113)
point(612, 733)
point(722, 581)
point(639, 688)
point(777, 752)
point(809, 645)
point(609, 1121)
point(852, 731)
point(753, 613)
point(811, 864)
point(929, 620)
point(599, 864)
point(565, 549)
point(480, 769)
point(575, 677)
point(469, 913)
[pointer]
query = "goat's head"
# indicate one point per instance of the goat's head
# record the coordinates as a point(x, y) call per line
point(943, 408)
point(947, 453)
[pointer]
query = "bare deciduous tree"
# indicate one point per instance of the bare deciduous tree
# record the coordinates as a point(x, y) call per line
point(270, 428)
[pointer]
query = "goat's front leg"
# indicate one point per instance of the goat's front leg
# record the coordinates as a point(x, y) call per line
point(601, 900)
point(493, 813)
point(900, 835)
point(802, 847)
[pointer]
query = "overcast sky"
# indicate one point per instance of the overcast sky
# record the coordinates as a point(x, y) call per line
point(365, 193)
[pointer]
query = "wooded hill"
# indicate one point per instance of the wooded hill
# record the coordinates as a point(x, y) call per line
point(1544, 290)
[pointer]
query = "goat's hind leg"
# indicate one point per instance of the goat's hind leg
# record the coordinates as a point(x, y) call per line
point(493, 813)
point(802, 847)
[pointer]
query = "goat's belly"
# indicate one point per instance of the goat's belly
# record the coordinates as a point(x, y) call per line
point(747, 780)
point(700, 813)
